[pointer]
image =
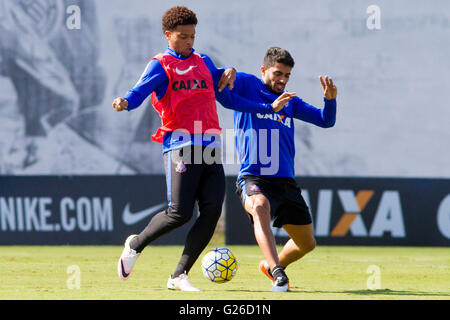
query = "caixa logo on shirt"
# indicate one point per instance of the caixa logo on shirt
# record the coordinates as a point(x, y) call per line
point(190, 84)
point(286, 121)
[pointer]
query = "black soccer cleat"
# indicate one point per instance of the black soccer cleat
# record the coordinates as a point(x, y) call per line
point(281, 281)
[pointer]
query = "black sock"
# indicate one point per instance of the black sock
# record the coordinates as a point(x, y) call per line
point(134, 244)
point(278, 271)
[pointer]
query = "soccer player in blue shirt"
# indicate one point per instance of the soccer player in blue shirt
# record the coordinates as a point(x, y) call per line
point(268, 190)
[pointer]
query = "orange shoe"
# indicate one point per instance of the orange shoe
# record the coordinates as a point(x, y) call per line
point(281, 284)
point(264, 268)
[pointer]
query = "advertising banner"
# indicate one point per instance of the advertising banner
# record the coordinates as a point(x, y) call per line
point(104, 210)
point(361, 211)
point(83, 210)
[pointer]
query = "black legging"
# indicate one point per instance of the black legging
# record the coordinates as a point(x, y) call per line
point(187, 182)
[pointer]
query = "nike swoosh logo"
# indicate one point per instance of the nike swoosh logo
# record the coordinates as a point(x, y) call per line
point(124, 274)
point(130, 218)
point(181, 72)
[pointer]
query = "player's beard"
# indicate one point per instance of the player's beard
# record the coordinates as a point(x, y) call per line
point(279, 87)
point(276, 88)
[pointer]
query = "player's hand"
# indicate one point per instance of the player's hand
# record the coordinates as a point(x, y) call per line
point(227, 79)
point(329, 89)
point(120, 104)
point(282, 100)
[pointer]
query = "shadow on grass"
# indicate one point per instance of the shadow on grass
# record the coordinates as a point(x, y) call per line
point(367, 292)
point(246, 290)
point(396, 292)
point(388, 292)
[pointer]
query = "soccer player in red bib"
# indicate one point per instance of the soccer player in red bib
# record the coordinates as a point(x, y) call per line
point(184, 86)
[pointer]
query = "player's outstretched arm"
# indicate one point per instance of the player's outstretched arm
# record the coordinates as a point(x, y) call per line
point(326, 117)
point(239, 99)
point(154, 77)
point(234, 101)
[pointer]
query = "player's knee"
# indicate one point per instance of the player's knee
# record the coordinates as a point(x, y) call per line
point(179, 216)
point(213, 211)
point(182, 219)
point(260, 211)
point(257, 202)
point(310, 245)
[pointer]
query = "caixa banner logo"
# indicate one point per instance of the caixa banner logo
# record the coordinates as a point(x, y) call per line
point(374, 214)
point(366, 211)
point(387, 218)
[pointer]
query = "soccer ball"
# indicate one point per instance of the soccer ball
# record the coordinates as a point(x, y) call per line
point(219, 265)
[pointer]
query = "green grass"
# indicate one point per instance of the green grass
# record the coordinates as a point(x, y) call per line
point(40, 272)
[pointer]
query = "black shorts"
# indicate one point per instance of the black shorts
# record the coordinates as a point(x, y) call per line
point(287, 205)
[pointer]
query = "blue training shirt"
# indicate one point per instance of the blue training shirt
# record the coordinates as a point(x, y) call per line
point(265, 141)
point(154, 79)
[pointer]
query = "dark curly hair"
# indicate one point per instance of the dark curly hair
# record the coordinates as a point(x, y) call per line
point(276, 54)
point(176, 16)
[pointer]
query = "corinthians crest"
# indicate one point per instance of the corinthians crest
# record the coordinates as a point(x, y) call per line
point(181, 167)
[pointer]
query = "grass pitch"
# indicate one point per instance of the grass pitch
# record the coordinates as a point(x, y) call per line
point(338, 273)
